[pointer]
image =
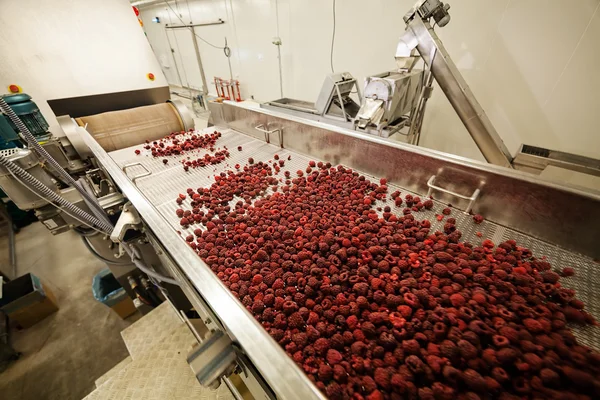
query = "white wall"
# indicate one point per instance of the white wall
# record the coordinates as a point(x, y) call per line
point(67, 48)
point(531, 63)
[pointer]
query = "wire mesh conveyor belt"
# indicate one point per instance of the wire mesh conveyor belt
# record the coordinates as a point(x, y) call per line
point(166, 181)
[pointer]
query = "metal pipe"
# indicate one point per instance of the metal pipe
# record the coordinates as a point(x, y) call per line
point(458, 93)
point(200, 67)
point(174, 60)
point(219, 22)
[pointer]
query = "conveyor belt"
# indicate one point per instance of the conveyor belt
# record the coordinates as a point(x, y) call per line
point(168, 180)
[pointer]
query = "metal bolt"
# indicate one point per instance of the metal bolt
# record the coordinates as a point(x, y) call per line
point(111, 212)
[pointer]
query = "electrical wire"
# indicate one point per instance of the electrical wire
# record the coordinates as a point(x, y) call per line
point(332, 40)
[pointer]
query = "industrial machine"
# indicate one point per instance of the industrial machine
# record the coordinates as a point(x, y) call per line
point(28, 112)
point(121, 199)
point(334, 103)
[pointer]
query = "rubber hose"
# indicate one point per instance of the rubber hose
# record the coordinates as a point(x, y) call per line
point(34, 183)
point(95, 208)
point(97, 255)
point(136, 260)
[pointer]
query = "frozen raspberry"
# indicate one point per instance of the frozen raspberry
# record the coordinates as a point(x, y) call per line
point(457, 300)
point(368, 384)
point(550, 277)
point(477, 219)
point(295, 320)
point(334, 391)
point(467, 350)
point(333, 357)
point(406, 311)
point(474, 380)
point(339, 373)
point(382, 378)
point(322, 345)
point(568, 271)
point(446, 211)
point(325, 372)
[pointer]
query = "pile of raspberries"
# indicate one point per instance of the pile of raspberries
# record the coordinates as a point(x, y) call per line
point(174, 145)
point(376, 305)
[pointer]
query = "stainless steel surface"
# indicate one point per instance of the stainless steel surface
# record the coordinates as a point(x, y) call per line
point(297, 113)
point(280, 372)
point(560, 214)
point(161, 192)
point(212, 359)
point(523, 200)
point(396, 90)
point(14, 189)
point(268, 132)
point(68, 125)
point(129, 219)
point(184, 113)
point(292, 104)
point(420, 33)
point(472, 198)
point(535, 159)
point(141, 174)
point(200, 66)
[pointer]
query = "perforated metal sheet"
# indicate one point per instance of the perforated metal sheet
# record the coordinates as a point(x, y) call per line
point(168, 180)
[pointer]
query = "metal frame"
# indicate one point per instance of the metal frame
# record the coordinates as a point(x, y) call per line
point(281, 373)
point(419, 33)
point(471, 198)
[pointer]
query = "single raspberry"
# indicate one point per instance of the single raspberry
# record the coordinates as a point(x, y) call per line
point(467, 350)
point(352, 322)
point(295, 320)
point(334, 391)
point(325, 372)
point(382, 378)
point(333, 357)
point(340, 374)
point(568, 271)
point(457, 300)
point(321, 345)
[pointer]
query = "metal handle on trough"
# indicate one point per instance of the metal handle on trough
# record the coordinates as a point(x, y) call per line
point(148, 172)
point(268, 132)
point(472, 198)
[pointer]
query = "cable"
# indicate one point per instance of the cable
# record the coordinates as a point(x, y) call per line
point(100, 257)
point(332, 40)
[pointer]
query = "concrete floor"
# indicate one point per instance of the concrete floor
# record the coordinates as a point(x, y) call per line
point(65, 353)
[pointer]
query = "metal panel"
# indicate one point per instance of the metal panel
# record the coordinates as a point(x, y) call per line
point(99, 103)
